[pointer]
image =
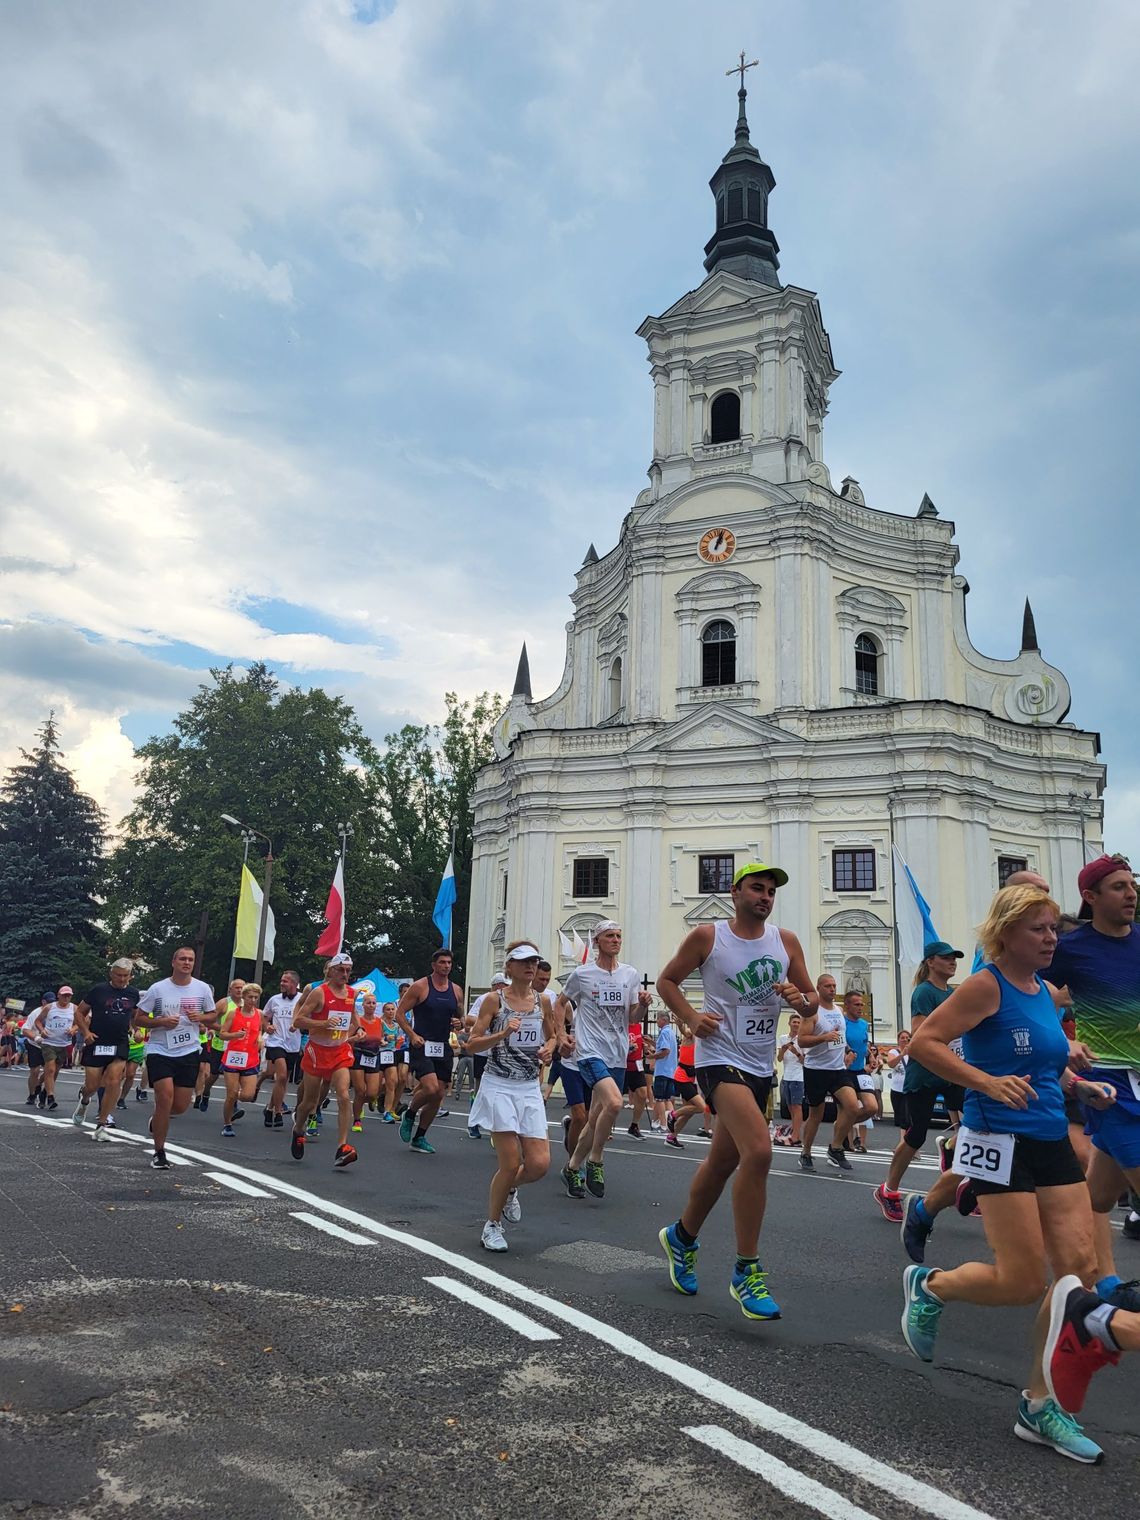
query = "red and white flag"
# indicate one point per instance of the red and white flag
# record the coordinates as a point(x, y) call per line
point(332, 939)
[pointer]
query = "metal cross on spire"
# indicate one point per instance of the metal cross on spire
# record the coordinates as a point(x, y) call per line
point(739, 68)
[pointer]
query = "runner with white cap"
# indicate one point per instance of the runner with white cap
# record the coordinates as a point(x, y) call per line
point(603, 996)
point(516, 1028)
point(327, 1014)
point(56, 1027)
point(748, 967)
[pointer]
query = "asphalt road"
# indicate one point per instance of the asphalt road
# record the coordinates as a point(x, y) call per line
point(196, 1343)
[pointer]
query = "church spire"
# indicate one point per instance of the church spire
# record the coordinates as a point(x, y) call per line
point(743, 244)
point(1028, 630)
point(522, 678)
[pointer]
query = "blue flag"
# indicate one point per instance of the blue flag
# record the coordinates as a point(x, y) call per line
point(444, 902)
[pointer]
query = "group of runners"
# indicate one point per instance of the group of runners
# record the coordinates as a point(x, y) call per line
point(1036, 1052)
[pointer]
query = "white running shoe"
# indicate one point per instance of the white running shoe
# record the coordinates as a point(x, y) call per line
point(80, 1109)
point(512, 1209)
point(102, 1133)
point(493, 1238)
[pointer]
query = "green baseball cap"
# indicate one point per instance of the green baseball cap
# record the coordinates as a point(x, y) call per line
point(757, 868)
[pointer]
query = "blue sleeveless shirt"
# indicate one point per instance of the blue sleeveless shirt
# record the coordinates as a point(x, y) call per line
point(1023, 1038)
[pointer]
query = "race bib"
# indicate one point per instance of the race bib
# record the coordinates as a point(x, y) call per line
point(387, 1058)
point(528, 1036)
point(339, 1022)
point(181, 1039)
point(236, 1060)
point(754, 1025)
point(639, 1066)
point(369, 1062)
point(106, 1050)
point(433, 1049)
point(1134, 1079)
point(611, 997)
point(866, 1083)
point(986, 1158)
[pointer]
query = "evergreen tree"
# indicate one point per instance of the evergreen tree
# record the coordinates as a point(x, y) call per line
point(51, 842)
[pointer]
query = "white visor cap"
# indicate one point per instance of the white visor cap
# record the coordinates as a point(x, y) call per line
point(523, 953)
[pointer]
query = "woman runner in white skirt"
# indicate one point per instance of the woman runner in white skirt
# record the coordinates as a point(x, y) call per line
point(516, 1030)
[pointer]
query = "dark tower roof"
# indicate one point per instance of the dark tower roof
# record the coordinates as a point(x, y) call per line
point(1028, 630)
point(742, 242)
point(591, 556)
point(522, 677)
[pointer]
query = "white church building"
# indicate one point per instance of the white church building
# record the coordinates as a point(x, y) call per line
point(764, 667)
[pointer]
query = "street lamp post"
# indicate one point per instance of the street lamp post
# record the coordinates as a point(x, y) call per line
point(1079, 800)
point(236, 823)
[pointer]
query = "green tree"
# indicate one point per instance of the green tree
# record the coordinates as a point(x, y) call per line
point(292, 763)
point(51, 843)
point(425, 778)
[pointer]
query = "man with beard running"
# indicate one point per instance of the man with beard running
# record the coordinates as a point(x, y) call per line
point(747, 966)
point(327, 1014)
point(435, 1004)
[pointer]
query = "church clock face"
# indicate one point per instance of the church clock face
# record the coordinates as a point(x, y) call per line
point(717, 545)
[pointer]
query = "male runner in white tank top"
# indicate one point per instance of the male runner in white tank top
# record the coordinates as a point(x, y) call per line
point(748, 967)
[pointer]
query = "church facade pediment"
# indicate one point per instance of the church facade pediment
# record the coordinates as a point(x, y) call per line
point(709, 910)
point(714, 726)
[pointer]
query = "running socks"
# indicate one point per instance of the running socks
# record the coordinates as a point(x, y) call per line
point(683, 1235)
point(1098, 1323)
point(420, 1134)
point(921, 1211)
point(746, 1263)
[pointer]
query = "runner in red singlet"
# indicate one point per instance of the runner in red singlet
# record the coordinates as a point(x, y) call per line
point(240, 1033)
point(327, 1014)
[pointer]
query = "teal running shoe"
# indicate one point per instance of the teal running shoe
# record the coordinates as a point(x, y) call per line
point(682, 1260)
point(1051, 1426)
point(407, 1126)
point(420, 1143)
point(921, 1313)
point(750, 1290)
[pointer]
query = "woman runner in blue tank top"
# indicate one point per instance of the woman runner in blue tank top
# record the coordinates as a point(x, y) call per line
point(1014, 1146)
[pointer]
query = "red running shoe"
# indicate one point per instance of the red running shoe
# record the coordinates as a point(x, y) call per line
point(345, 1155)
point(890, 1203)
point(1072, 1354)
point(297, 1146)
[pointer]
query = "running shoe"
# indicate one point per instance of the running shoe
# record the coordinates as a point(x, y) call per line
point(837, 1156)
point(122, 1103)
point(421, 1144)
point(269, 1118)
point(285, 1109)
point(140, 1095)
point(572, 1181)
point(682, 1260)
point(30, 1100)
point(239, 1113)
point(707, 1133)
point(278, 1121)
point(512, 1209)
point(858, 1147)
point(110, 1123)
point(655, 1128)
point(1051, 1426)
point(387, 1117)
point(493, 1238)
point(670, 1121)
point(81, 1109)
point(914, 1231)
point(228, 1132)
point(443, 1113)
point(945, 1145)
point(634, 1132)
point(1126, 1295)
point(297, 1146)
point(675, 1141)
point(312, 1130)
point(204, 1102)
point(1130, 1229)
point(806, 1163)
point(51, 1103)
point(966, 1199)
point(41, 1099)
point(921, 1313)
point(358, 1128)
point(159, 1162)
point(1073, 1354)
point(102, 1133)
point(345, 1155)
point(595, 1179)
point(407, 1126)
point(474, 1132)
point(750, 1290)
point(318, 1117)
point(890, 1203)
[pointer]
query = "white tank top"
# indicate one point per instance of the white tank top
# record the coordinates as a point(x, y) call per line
point(828, 1056)
point(739, 977)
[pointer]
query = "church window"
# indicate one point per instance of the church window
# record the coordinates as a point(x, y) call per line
point(866, 665)
point(724, 418)
point(615, 688)
point(591, 877)
point(504, 891)
point(753, 203)
point(852, 870)
point(718, 654)
point(735, 203)
point(720, 210)
point(714, 873)
point(1008, 864)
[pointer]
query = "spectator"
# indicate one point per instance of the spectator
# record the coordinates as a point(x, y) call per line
point(791, 1058)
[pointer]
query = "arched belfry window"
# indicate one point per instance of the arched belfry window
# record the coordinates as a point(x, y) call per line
point(614, 704)
point(736, 203)
point(866, 665)
point(724, 418)
point(718, 654)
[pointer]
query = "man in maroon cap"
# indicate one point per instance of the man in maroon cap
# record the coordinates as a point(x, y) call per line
point(1099, 965)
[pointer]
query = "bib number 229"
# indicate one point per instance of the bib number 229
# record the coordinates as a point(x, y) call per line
point(984, 1157)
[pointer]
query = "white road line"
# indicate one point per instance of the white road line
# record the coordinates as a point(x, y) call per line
point(238, 1185)
point(788, 1480)
point(894, 1481)
point(334, 1229)
point(510, 1317)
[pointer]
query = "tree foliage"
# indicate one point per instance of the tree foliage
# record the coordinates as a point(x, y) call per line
point(51, 841)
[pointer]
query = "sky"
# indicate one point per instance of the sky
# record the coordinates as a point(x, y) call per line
point(317, 326)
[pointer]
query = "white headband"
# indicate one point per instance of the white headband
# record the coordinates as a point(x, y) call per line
point(604, 927)
point(341, 960)
point(523, 953)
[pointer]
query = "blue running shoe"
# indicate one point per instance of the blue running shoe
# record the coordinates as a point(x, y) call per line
point(1051, 1426)
point(914, 1231)
point(750, 1290)
point(387, 1118)
point(682, 1260)
point(407, 1126)
point(1125, 1295)
point(921, 1313)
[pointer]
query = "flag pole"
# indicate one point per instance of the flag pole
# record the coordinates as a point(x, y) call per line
point(247, 836)
point(346, 831)
point(451, 920)
point(895, 921)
